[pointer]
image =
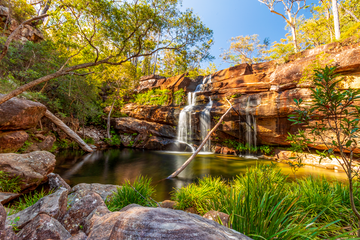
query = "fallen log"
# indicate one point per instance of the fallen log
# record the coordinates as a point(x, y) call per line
point(177, 172)
point(68, 131)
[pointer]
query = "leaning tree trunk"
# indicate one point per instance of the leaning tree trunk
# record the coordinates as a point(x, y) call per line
point(177, 172)
point(336, 19)
point(68, 131)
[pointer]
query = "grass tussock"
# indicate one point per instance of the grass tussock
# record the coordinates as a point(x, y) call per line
point(263, 204)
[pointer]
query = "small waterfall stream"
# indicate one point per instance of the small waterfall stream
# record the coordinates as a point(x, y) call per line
point(186, 130)
point(250, 126)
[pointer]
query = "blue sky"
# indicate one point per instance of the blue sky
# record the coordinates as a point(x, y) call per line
point(231, 18)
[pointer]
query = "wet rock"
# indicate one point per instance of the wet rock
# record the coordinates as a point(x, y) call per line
point(53, 205)
point(97, 134)
point(44, 227)
point(12, 141)
point(228, 151)
point(6, 197)
point(2, 217)
point(74, 218)
point(20, 114)
point(219, 217)
point(79, 236)
point(163, 223)
point(31, 168)
point(55, 182)
point(81, 190)
point(168, 204)
point(97, 213)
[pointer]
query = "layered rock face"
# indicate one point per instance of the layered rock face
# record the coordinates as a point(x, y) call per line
point(17, 115)
point(264, 91)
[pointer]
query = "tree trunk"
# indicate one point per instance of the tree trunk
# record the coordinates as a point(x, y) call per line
point(108, 121)
point(336, 19)
point(177, 172)
point(292, 23)
point(68, 131)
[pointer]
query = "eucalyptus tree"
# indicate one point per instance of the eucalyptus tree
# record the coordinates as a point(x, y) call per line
point(291, 9)
point(335, 10)
point(92, 33)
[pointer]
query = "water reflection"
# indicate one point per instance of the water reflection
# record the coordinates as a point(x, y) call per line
point(115, 166)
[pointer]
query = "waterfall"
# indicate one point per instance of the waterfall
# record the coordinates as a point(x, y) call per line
point(205, 125)
point(185, 127)
point(251, 129)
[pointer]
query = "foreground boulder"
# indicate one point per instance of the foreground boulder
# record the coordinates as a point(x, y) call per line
point(20, 114)
point(53, 205)
point(31, 168)
point(12, 141)
point(75, 216)
point(55, 182)
point(81, 190)
point(159, 223)
point(44, 227)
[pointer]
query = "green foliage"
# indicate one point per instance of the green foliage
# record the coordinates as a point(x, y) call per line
point(179, 97)
point(262, 204)
point(13, 224)
point(197, 195)
point(9, 183)
point(240, 147)
point(155, 97)
point(139, 192)
point(89, 140)
point(115, 139)
point(26, 145)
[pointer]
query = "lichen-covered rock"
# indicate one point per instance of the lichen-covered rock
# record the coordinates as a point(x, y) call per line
point(2, 217)
point(93, 216)
point(81, 190)
point(8, 234)
point(20, 114)
point(55, 182)
point(76, 215)
point(53, 205)
point(32, 168)
point(12, 141)
point(79, 236)
point(159, 223)
point(219, 217)
point(44, 227)
point(103, 226)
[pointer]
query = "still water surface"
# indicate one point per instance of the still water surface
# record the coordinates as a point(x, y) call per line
point(114, 166)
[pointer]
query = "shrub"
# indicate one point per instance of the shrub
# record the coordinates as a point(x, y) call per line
point(179, 97)
point(153, 97)
point(140, 193)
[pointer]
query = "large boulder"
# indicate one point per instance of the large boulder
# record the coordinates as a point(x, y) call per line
point(97, 213)
point(76, 215)
point(159, 223)
point(44, 227)
point(53, 205)
point(55, 182)
point(19, 114)
point(12, 141)
point(6, 197)
point(32, 168)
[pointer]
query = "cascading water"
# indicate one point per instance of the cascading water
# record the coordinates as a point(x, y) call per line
point(205, 125)
point(251, 128)
point(185, 128)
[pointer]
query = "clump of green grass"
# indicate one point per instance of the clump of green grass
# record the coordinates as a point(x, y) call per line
point(139, 192)
point(262, 204)
point(198, 195)
point(28, 200)
point(9, 184)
